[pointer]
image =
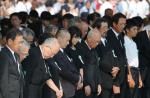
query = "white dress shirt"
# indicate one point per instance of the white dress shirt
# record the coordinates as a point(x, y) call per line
point(131, 52)
point(103, 40)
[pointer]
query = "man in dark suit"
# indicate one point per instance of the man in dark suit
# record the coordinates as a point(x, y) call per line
point(143, 43)
point(11, 79)
point(92, 77)
point(69, 76)
point(54, 69)
point(37, 71)
point(107, 59)
point(115, 40)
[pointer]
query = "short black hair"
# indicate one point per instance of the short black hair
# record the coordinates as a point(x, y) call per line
point(43, 37)
point(98, 22)
point(68, 16)
point(15, 14)
point(139, 21)
point(34, 13)
point(23, 16)
point(84, 16)
point(13, 33)
point(45, 15)
point(74, 30)
point(5, 26)
point(93, 16)
point(130, 23)
point(117, 16)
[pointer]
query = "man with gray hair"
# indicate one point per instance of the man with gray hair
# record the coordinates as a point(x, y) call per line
point(37, 72)
point(28, 34)
point(51, 29)
point(92, 77)
point(23, 50)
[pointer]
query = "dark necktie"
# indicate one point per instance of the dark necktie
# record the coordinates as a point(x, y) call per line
point(17, 61)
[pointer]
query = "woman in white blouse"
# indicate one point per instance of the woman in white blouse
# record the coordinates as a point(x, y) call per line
point(134, 78)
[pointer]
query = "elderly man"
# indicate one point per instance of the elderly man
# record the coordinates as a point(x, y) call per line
point(37, 72)
point(69, 75)
point(92, 78)
point(23, 50)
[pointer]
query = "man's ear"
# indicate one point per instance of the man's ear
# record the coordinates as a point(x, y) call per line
point(10, 41)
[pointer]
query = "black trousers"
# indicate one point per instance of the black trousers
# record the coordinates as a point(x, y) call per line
point(106, 93)
point(79, 94)
point(93, 95)
point(146, 92)
point(135, 92)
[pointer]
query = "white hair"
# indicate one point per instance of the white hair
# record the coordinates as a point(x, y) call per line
point(24, 44)
point(50, 41)
point(63, 33)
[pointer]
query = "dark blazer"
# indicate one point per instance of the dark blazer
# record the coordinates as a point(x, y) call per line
point(117, 44)
point(92, 75)
point(143, 44)
point(55, 70)
point(107, 61)
point(75, 55)
point(11, 81)
point(36, 73)
point(69, 74)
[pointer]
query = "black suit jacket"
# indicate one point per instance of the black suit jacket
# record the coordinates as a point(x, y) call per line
point(11, 81)
point(117, 44)
point(36, 73)
point(75, 56)
point(107, 61)
point(55, 70)
point(143, 44)
point(92, 75)
point(69, 74)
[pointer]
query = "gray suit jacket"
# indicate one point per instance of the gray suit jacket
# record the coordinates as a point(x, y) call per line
point(11, 81)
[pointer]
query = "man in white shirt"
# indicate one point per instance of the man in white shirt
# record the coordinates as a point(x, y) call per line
point(132, 57)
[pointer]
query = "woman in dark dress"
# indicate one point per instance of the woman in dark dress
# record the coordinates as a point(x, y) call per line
point(75, 56)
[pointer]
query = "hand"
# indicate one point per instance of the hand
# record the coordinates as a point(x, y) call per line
point(116, 89)
point(79, 86)
point(131, 81)
point(115, 71)
point(59, 93)
point(99, 90)
point(80, 80)
point(87, 90)
point(140, 83)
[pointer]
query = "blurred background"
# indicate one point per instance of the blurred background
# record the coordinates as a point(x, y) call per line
point(130, 8)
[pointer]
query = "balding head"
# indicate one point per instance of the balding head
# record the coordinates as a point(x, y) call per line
point(93, 38)
point(63, 37)
point(50, 47)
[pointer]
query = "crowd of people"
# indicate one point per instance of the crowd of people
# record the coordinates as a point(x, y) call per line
point(130, 8)
point(55, 55)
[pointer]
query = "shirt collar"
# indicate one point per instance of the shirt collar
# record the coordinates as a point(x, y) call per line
point(117, 34)
point(87, 45)
point(103, 40)
point(10, 49)
point(61, 50)
point(147, 31)
point(128, 38)
point(41, 51)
